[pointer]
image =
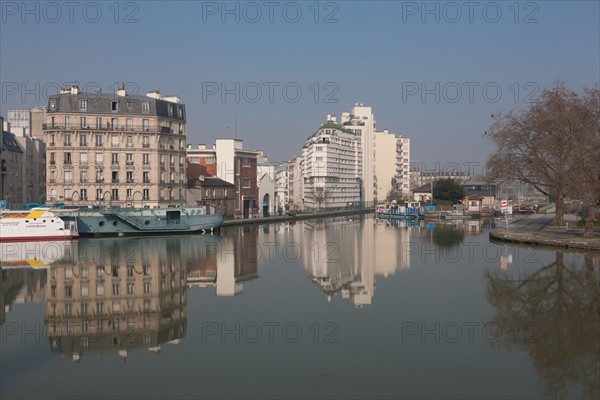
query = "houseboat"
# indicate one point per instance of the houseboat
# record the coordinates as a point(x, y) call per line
point(144, 221)
point(35, 225)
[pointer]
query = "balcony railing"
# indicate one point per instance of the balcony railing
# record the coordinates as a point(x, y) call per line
point(111, 127)
point(115, 180)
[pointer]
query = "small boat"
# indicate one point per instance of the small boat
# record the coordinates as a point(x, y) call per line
point(143, 221)
point(35, 225)
point(409, 211)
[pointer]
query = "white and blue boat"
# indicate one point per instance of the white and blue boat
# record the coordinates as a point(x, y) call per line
point(411, 210)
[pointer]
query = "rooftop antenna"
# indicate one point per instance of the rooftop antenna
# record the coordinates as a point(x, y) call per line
point(236, 127)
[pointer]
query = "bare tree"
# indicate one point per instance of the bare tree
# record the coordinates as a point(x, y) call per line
point(320, 195)
point(586, 183)
point(539, 145)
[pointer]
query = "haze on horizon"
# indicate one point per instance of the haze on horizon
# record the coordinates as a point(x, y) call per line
point(269, 72)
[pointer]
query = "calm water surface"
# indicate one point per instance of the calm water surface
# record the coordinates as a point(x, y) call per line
point(345, 307)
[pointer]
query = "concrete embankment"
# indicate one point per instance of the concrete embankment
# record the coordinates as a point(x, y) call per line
point(536, 229)
point(298, 217)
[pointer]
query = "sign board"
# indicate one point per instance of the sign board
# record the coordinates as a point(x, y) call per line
point(507, 210)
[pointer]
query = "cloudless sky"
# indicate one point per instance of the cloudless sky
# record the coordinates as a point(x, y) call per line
point(381, 53)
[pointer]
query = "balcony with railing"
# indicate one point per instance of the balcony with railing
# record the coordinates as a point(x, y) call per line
point(108, 127)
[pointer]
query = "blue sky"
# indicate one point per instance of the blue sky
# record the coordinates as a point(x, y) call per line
point(430, 70)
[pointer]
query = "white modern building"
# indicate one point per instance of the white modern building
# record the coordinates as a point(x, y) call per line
point(361, 122)
point(265, 178)
point(392, 164)
point(332, 167)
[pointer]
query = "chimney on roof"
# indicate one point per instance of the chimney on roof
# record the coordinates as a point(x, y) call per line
point(155, 94)
point(121, 92)
point(173, 98)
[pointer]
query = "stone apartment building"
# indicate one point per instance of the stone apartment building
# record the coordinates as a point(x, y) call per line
point(115, 149)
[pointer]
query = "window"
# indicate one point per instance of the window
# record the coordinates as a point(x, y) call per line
point(115, 271)
point(98, 140)
point(146, 159)
point(83, 159)
point(146, 194)
point(147, 287)
point(83, 176)
point(53, 105)
point(68, 291)
point(115, 123)
point(115, 289)
point(146, 141)
point(114, 106)
point(130, 288)
point(129, 124)
point(82, 122)
point(130, 269)
point(129, 105)
point(67, 122)
point(67, 139)
point(129, 193)
point(84, 308)
point(129, 141)
point(82, 140)
point(83, 193)
point(99, 272)
point(114, 158)
point(85, 292)
point(52, 158)
point(245, 162)
point(246, 183)
point(129, 158)
point(114, 141)
point(115, 194)
point(100, 307)
point(83, 104)
point(68, 178)
point(98, 122)
point(52, 142)
point(98, 192)
point(84, 272)
point(129, 177)
point(146, 176)
point(99, 158)
point(69, 308)
point(100, 289)
point(115, 176)
point(170, 110)
point(318, 158)
point(145, 107)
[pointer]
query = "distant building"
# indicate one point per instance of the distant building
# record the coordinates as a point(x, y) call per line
point(423, 193)
point(229, 161)
point(392, 164)
point(265, 173)
point(419, 178)
point(482, 192)
point(28, 123)
point(118, 149)
point(296, 194)
point(282, 197)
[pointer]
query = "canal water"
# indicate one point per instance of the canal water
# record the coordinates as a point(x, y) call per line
point(349, 307)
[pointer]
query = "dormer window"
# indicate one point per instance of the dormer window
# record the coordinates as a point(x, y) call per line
point(83, 105)
point(53, 104)
point(145, 107)
point(180, 111)
point(114, 106)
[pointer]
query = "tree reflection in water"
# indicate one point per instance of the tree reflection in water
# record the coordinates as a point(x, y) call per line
point(446, 236)
point(553, 314)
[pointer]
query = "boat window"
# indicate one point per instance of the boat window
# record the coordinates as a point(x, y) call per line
point(26, 220)
point(44, 221)
point(101, 223)
point(52, 221)
point(146, 222)
point(114, 223)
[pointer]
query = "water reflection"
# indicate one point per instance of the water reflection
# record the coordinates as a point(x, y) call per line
point(554, 315)
point(117, 295)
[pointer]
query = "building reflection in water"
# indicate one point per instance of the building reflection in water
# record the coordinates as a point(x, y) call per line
point(227, 262)
point(553, 313)
point(343, 255)
point(116, 295)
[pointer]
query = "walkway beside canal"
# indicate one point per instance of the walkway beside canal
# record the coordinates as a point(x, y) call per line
point(536, 229)
point(298, 217)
